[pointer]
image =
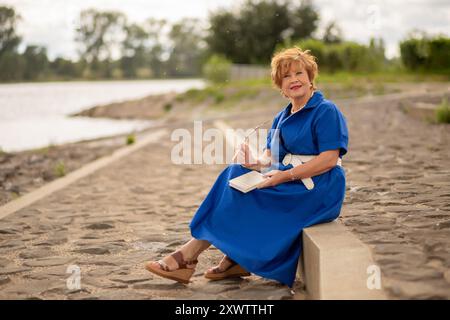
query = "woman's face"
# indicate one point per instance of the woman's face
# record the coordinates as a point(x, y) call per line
point(295, 82)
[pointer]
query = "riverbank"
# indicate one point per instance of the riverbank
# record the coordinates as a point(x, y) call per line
point(22, 172)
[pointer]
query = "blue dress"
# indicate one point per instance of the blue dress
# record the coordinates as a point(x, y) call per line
point(261, 230)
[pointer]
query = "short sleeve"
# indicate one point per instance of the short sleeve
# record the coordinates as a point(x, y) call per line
point(331, 131)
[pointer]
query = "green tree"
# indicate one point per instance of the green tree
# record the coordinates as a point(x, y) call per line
point(225, 36)
point(187, 49)
point(12, 65)
point(143, 50)
point(66, 69)
point(155, 49)
point(333, 34)
point(9, 40)
point(133, 50)
point(422, 52)
point(261, 26)
point(251, 34)
point(36, 62)
point(347, 55)
point(100, 35)
point(217, 69)
point(303, 19)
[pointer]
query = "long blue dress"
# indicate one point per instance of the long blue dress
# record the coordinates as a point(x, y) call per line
point(261, 230)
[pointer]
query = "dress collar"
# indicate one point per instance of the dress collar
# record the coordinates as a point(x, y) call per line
point(316, 98)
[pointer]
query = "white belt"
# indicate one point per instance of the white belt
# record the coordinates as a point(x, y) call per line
point(297, 159)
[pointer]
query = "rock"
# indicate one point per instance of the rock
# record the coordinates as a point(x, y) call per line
point(447, 276)
point(13, 270)
point(36, 253)
point(416, 274)
point(116, 286)
point(219, 287)
point(57, 290)
point(416, 290)
point(131, 279)
point(150, 246)
point(49, 261)
point(93, 250)
point(95, 282)
point(140, 190)
point(4, 262)
point(52, 241)
point(12, 244)
point(100, 226)
point(4, 280)
point(37, 287)
point(123, 294)
point(98, 262)
point(159, 286)
point(48, 175)
point(395, 249)
point(8, 231)
point(13, 188)
point(158, 237)
point(35, 159)
point(442, 224)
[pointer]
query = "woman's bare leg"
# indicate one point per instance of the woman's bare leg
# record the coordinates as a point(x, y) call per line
point(190, 250)
point(193, 248)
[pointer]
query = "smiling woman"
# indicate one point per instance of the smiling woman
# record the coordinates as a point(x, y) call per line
point(294, 73)
point(260, 231)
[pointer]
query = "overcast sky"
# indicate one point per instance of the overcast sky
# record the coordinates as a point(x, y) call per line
point(52, 22)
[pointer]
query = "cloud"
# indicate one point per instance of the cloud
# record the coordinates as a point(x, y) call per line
point(52, 22)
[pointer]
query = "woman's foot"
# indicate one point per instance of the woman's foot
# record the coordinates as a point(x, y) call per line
point(174, 267)
point(226, 268)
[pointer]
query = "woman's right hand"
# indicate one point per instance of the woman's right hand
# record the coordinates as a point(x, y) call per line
point(245, 157)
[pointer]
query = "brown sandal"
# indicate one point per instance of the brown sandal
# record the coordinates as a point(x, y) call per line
point(182, 274)
point(233, 271)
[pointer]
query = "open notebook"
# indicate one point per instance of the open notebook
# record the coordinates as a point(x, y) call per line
point(247, 182)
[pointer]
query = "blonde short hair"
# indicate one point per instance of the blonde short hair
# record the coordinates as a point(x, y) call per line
point(282, 60)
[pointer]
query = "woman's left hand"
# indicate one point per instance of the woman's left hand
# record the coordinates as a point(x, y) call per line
point(274, 177)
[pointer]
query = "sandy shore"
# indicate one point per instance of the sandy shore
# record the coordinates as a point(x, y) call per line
point(397, 201)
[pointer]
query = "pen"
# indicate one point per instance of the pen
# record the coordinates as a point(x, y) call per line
point(248, 135)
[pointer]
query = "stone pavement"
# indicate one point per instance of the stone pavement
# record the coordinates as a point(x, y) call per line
point(108, 224)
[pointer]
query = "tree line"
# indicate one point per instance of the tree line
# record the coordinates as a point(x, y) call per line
point(112, 47)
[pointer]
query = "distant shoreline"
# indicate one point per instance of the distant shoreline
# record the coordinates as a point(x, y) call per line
point(96, 80)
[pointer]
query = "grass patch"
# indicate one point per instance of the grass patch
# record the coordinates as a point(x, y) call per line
point(131, 138)
point(60, 169)
point(392, 75)
point(167, 107)
point(223, 92)
point(443, 112)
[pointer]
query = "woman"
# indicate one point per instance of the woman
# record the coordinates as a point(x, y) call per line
point(260, 231)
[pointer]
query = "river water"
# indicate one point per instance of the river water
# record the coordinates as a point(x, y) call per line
point(34, 115)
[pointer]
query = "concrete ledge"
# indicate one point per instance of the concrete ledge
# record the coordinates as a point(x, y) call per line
point(334, 264)
point(73, 176)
